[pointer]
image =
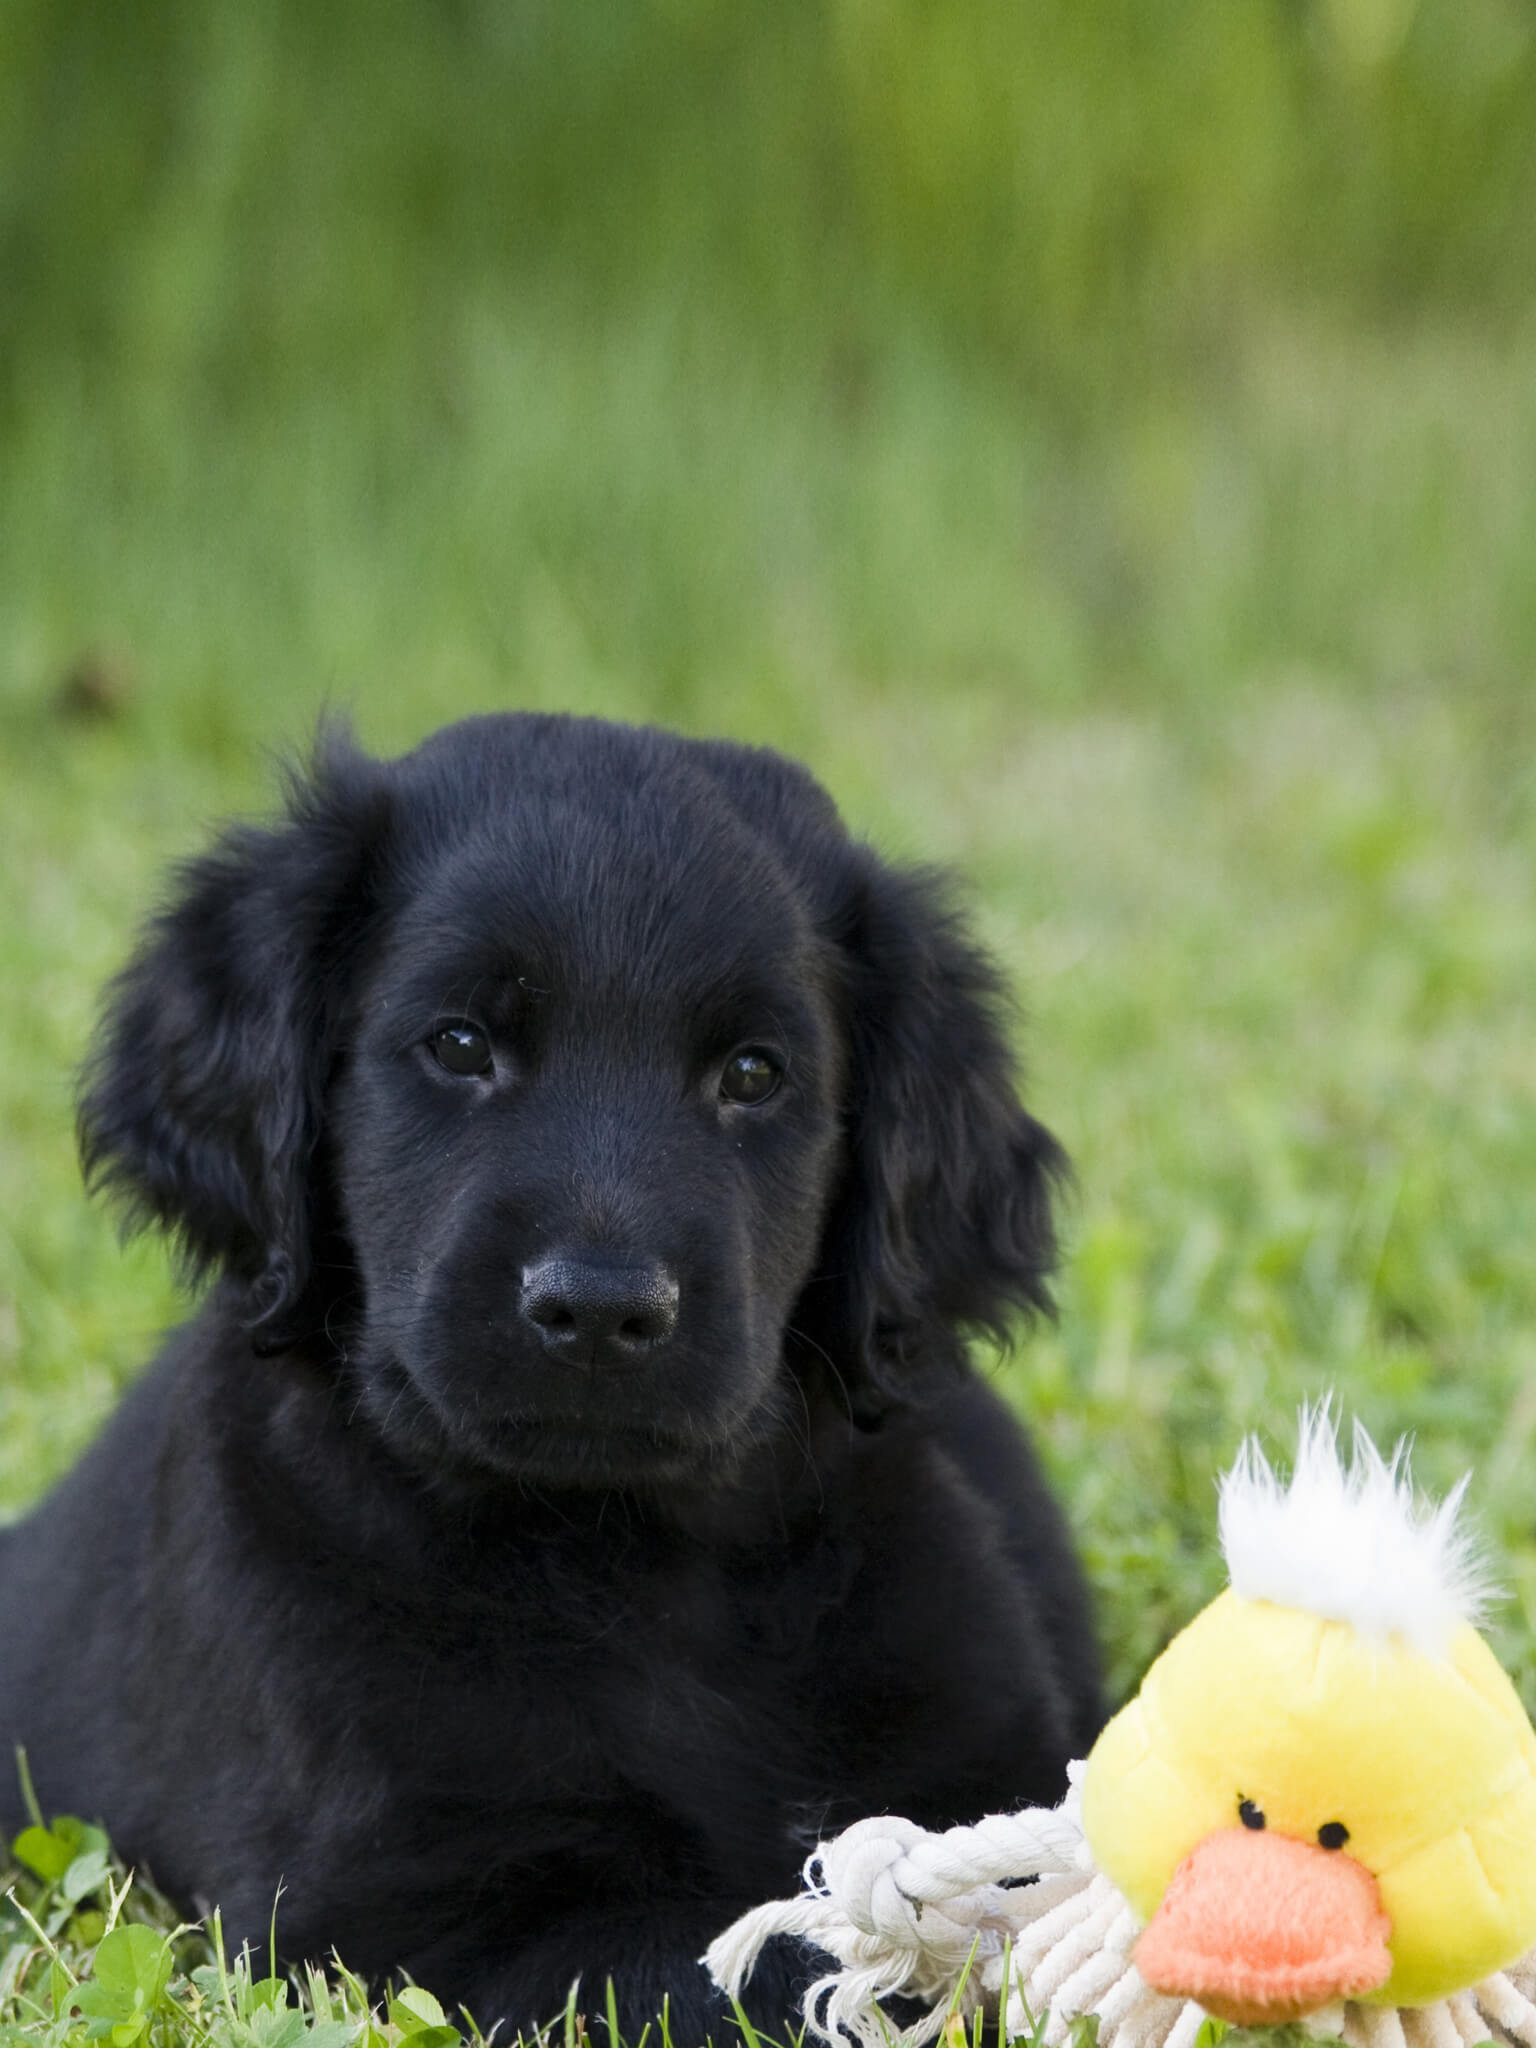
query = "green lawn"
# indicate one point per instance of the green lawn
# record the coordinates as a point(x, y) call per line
point(1163, 560)
point(1263, 871)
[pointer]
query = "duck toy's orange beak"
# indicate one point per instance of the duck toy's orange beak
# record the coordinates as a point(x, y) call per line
point(1259, 1928)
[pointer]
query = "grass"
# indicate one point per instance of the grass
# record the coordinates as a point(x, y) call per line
point(1141, 522)
point(1273, 931)
point(89, 1952)
point(1263, 875)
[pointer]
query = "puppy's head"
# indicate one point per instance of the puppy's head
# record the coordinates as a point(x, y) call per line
point(583, 1093)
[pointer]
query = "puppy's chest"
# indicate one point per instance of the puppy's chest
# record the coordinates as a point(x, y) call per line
point(641, 1678)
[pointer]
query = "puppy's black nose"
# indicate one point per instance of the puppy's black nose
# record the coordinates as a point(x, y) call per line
point(587, 1312)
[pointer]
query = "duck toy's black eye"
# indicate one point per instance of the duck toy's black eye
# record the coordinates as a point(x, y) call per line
point(1332, 1834)
point(1250, 1815)
point(462, 1048)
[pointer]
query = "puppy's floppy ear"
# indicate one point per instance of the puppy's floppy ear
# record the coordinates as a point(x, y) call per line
point(202, 1096)
point(944, 1221)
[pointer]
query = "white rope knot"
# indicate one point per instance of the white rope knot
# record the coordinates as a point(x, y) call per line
point(863, 1871)
point(935, 1918)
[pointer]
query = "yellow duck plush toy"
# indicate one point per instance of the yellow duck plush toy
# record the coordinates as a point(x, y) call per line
point(1321, 1805)
point(1326, 1787)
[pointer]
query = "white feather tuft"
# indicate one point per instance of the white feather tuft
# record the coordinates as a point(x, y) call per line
point(1355, 1546)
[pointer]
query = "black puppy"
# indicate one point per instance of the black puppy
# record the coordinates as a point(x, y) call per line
point(573, 1496)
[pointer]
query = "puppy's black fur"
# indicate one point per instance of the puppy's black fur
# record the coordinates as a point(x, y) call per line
point(573, 1496)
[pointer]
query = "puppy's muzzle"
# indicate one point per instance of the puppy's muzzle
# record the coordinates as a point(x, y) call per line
point(590, 1313)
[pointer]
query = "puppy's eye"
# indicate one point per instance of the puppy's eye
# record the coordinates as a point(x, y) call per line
point(750, 1077)
point(461, 1048)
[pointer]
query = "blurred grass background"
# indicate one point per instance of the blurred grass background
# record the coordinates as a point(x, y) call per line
point(1101, 440)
